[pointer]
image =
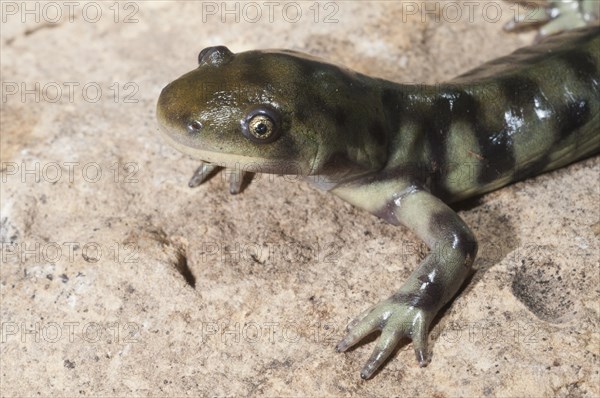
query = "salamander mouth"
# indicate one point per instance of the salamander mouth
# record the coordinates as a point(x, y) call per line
point(231, 161)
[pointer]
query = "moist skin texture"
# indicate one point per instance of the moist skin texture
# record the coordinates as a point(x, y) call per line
point(401, 152)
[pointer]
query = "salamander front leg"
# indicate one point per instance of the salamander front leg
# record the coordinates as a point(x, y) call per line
point(202, 173)
point(409, 312)
point(205, 171)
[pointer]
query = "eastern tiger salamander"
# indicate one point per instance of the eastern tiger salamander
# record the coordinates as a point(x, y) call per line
point(399, 151)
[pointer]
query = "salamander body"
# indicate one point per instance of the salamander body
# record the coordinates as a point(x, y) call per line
point(399, 151)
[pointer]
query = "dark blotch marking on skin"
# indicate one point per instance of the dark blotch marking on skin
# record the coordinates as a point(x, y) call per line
point(307, 70)
point(312, 105)
point(340, 116)
point(457, 234)
point(301, 114)
point(428, 297)
point(253, 71)
point(519, 91)
point(392, 106)
point(497, 150)
point(569, 119)
point(436, 124)
point(583, 65)
point(494, 136)
point(377, 131)
point(465, 106)
point(573, 116)
point(312, 96)
point(459, 106)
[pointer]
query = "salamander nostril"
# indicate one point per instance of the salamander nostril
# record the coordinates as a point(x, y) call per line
point(194, 127)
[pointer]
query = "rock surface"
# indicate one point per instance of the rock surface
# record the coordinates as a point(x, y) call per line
point(119, 280)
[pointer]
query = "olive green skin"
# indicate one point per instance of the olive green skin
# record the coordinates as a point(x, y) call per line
point(398, 151)
point(339, 125)
point(220, 92)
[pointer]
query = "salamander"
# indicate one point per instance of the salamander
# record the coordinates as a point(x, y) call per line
point(402, 152)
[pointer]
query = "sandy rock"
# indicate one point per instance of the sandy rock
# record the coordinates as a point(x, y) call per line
point(119, 280)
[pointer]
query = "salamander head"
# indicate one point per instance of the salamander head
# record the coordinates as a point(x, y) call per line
point(265, 111)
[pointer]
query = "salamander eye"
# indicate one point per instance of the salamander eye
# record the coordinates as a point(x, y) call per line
point(194, 127)
point(262, 125)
